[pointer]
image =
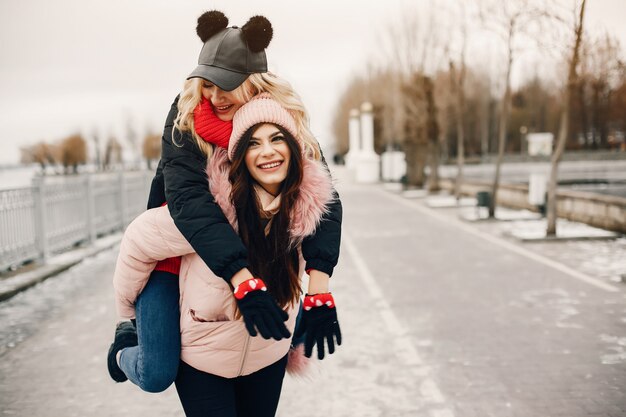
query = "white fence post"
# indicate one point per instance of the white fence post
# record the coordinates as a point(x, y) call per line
point(91, 208)
point(122, 200)
point(40, 217)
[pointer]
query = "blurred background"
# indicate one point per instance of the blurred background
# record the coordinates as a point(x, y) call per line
point(110, 70)
point(429, 113)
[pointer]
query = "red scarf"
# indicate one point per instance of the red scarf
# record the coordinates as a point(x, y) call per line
point(209, 126)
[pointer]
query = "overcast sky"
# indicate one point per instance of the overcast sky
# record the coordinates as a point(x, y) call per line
point(89, 66)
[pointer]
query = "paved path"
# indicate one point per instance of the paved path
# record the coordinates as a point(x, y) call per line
point(438, 321)
point(503, 333)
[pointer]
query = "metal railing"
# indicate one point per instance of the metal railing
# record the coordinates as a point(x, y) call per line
point(59, 212)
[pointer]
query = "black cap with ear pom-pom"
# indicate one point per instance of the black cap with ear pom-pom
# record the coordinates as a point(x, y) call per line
point(231, 54)
point(258, 32)
point(210, 23)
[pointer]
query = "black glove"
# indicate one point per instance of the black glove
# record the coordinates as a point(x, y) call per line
point(319, 322)
point(260, 311)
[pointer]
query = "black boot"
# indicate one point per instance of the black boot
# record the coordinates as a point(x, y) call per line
point(125, 336)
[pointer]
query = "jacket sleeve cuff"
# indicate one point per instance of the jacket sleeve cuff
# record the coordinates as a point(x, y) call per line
point(124, 310)
point(233, 268)
point(321, 265)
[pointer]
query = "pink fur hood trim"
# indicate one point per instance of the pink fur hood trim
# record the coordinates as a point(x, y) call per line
point(316, 193)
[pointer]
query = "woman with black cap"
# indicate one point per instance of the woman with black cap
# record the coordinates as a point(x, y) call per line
point(232, 68)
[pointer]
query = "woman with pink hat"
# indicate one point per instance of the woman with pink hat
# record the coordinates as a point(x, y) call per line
point(274, 192)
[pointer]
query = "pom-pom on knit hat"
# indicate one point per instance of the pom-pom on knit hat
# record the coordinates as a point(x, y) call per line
point(262, 108)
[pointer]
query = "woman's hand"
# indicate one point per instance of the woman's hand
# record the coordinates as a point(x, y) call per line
point(260, 311)
point(319, 322)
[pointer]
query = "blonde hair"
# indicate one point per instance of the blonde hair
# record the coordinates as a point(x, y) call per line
point(258, 83)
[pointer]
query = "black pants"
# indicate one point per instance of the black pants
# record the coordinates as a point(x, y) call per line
point(207, 395)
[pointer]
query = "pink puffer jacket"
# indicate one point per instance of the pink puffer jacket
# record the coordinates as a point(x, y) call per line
point(213, 336)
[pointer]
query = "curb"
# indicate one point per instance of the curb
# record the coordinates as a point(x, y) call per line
point(12, 286)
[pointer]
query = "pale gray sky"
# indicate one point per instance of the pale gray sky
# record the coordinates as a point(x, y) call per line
point(85, 65)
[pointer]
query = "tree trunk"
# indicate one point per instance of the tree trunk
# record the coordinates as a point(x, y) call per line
point(584, 124)
point(458, 91)
point(595, 102)
point(432, 133)
point(485, 116)
point(504, 115)
point(414, 164)
point(433, 178)
point(604, 118)
point(563, 128)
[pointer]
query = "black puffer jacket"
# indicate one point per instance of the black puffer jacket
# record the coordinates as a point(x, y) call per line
point(181, 181)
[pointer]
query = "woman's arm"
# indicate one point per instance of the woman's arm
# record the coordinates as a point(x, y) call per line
point(151, 237)
point(195, 212)
point(321, 250)
point(318, 282)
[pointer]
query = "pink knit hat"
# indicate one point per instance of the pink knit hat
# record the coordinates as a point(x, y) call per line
point(262, 108)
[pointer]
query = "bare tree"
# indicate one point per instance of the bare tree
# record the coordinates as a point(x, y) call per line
point(406, 49)
point(511, 20)
point(457, 84)
point(417, 46)
point(151, 148)
point(113, 153)
point(41, 153)
point(392, 117)
point(132, 138)
point(564, 123)
point(416, 141)
point(73, 152)
point(96, 144)
point(604, 73)
point(351, 98)
point(458, 90)
point(432, 134)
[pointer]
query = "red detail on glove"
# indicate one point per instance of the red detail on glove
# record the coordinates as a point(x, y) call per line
point(249, 285)
point(318, 300)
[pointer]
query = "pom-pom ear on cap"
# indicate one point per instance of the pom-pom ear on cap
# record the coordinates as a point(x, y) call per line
point(209, 23)
point(258, 33)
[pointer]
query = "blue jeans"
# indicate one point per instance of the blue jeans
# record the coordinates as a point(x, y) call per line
point(152, 365)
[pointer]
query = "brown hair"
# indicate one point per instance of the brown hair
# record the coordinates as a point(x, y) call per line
point(272, 258)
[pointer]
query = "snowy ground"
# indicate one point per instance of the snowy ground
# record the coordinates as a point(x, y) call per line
point(441, 318)
point(597, 252)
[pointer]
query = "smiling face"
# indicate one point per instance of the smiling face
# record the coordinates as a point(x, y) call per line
point(224, 103)
point(267, 157)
